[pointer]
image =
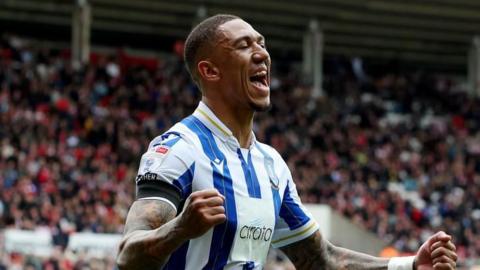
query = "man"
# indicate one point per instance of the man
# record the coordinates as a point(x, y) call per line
point(238, 194)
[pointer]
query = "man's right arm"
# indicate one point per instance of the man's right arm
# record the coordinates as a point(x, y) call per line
point(153, 233)
point(149, 236)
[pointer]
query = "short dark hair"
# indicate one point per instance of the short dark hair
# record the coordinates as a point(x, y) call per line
point(201, 35)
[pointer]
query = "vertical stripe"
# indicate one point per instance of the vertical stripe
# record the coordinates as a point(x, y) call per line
point(268, 162)
point(178, 258)
point(253, 174)
point(184, 182)
point(251, 180)
point(223, 234)
point(276, 201)
point(291, 211)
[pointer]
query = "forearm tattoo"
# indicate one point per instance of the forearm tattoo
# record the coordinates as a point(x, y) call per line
point(142, 244)
point(317, 253)
point(148, 215)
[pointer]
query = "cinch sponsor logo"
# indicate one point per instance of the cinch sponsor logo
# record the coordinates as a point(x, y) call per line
point(256, 233)
point(161, 149)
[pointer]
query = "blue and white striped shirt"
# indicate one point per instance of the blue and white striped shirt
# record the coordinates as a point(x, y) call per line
point(261, 202)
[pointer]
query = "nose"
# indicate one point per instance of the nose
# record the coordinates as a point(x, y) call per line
point(260, 55)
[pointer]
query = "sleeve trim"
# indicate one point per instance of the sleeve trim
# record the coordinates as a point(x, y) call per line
point(401, 263)
point(300, 235)
point(159, 199)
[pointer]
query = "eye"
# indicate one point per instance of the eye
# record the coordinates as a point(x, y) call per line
point(262, 44)
point(243, 45)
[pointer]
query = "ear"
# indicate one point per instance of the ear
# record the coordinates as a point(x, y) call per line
point(208, 71)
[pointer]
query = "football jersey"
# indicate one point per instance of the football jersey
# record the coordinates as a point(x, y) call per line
point(261, 202)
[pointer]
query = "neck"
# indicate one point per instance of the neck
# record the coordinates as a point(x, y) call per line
point(239, 121)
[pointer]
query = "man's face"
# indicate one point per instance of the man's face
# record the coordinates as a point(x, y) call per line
point(244, 65)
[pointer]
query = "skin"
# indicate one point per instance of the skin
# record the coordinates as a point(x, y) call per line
point(314, 252)
point(152, 231)
point(225, 78)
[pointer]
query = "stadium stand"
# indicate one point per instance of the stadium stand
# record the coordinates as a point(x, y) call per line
point(70, 142)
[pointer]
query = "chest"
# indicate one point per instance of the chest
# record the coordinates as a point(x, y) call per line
point(250, 201)
point(245, 177)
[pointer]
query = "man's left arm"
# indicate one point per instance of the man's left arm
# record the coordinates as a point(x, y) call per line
point(315, 252)
point(297, 234)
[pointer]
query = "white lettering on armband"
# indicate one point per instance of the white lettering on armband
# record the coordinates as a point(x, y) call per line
point(401, 263)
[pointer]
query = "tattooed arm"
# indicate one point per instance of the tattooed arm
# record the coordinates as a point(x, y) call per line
point(153, 233)
point(314, 252)
point(146, 243)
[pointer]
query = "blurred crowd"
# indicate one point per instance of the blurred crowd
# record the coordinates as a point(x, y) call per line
point(397, 153)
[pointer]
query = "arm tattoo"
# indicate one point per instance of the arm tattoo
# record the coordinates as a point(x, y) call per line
point(148, 215)
point(147, 235)
point(315, 252)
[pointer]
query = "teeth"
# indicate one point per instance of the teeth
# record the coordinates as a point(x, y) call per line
point(261, 73)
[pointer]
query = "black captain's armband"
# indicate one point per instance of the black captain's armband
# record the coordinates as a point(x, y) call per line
point(152, 185)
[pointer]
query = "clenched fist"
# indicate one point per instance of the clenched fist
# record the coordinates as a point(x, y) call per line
point(438, 253)
point(203, 210)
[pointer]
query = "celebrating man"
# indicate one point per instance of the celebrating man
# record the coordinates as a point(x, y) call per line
point(210, 196)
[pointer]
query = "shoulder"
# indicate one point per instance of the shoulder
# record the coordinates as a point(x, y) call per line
point(177, 134)
point(172, 150)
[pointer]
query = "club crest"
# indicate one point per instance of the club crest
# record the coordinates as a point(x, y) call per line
point(274, 181)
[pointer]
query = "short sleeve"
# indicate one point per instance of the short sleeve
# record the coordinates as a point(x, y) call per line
point(166, 170)
point(294, 222)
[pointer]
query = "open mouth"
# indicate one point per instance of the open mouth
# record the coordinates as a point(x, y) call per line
point(260, 79)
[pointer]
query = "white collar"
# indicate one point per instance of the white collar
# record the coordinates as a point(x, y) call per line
point(212, 122)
